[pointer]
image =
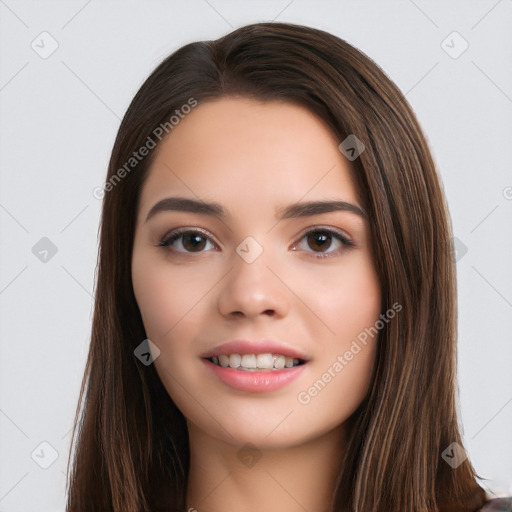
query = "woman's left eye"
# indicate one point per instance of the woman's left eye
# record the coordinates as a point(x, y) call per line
point(320, 240)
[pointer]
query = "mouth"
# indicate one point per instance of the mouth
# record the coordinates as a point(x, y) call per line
point(255, 366)
point(256, 362)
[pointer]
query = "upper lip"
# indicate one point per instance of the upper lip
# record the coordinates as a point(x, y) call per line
point(254, 347)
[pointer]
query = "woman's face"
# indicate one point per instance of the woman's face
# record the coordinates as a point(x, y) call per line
point(296, 283)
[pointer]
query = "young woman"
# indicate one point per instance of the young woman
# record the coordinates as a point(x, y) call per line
point(275, 316)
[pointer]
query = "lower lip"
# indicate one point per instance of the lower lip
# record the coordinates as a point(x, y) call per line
point(263, 381)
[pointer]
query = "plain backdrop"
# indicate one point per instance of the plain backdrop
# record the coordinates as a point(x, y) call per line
point(68, 72)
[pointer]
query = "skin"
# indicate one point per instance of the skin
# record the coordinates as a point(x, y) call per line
point(252, 158)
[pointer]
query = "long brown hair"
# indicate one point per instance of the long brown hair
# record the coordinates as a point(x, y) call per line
point(131, 447)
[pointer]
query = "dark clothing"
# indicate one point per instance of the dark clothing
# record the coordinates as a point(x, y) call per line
point(498, 505)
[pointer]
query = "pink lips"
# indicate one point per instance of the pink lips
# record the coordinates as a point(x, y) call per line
point(254, 381)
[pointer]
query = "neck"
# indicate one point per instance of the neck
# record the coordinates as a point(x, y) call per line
point(246, 479)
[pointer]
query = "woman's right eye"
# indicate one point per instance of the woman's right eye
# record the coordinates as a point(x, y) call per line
point(186, 241)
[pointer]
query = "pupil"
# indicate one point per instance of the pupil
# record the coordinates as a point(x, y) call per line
point(323, 239)
point(197, 242)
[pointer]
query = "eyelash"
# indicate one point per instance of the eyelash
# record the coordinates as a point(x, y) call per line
point(171, 237)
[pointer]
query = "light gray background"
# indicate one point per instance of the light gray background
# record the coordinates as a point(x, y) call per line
point(59, 117)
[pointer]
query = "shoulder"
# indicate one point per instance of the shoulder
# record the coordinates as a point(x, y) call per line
point(498, 505)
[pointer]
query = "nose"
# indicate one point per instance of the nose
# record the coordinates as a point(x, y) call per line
point(253, 289)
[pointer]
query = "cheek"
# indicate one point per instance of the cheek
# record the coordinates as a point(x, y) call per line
point(346, 299)
point(338, 388)
point(154, 298)
point(164, 293)
point(349, 302)
point(358, 304)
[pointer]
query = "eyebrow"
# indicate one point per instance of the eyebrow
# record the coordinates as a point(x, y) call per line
point(295, 210)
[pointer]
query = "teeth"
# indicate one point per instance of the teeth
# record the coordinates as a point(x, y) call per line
point(234, 360)
point(248, 360)
point(279, 362)
point(255, 361)
point(265, 361)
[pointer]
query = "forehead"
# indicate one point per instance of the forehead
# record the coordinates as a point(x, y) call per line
point(239, 150)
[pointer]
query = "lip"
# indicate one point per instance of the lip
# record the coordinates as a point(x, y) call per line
point(263, 381)
point(254, 347)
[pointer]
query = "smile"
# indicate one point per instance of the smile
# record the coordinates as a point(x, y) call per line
point(255, 362)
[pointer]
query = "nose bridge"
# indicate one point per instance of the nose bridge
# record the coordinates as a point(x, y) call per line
point(251, 288)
